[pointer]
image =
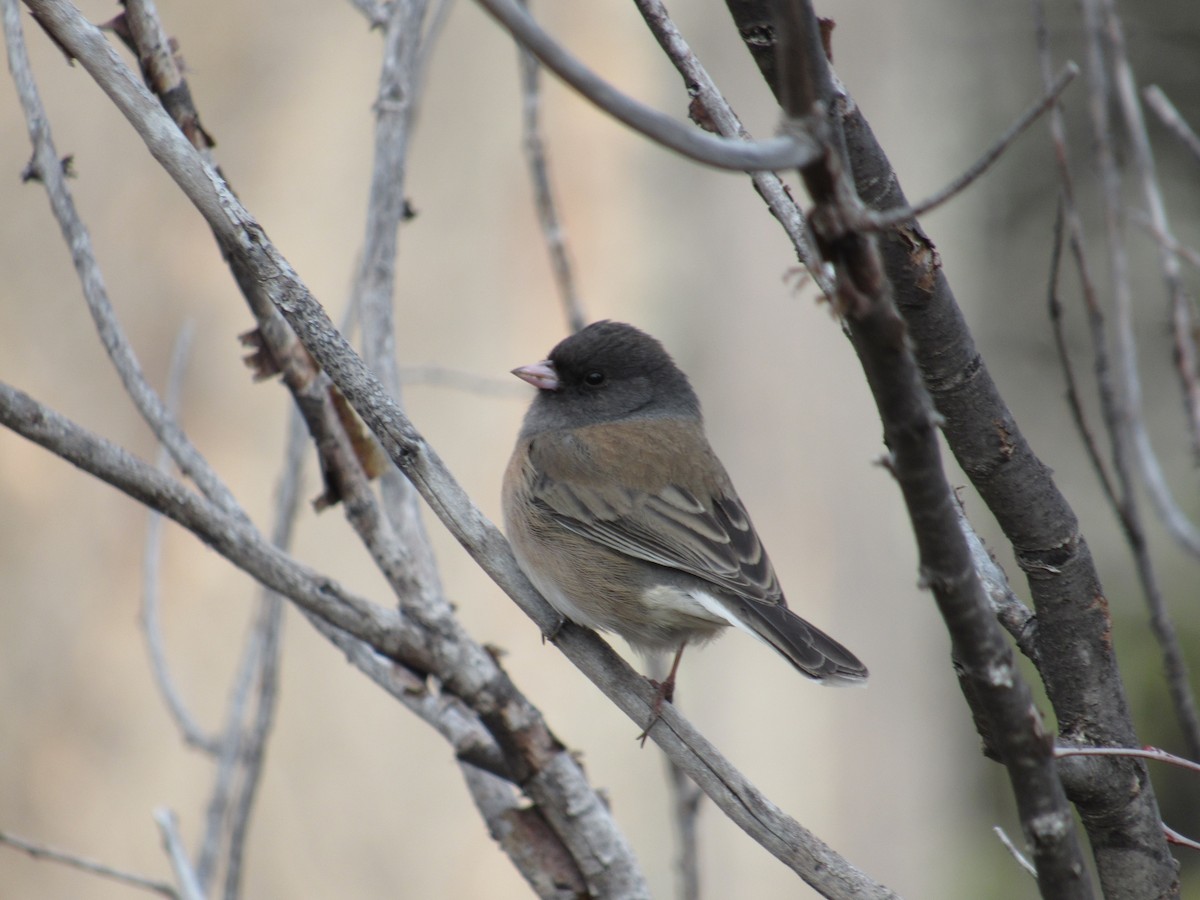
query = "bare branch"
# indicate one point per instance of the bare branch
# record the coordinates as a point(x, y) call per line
point(1127, 424)
point(526, 837)
point(234, 539)
point(1012, 849)
point(1103, 27)
point(41, 851)
point(1183, 313)
point(120, 351)
point(686, 802)
point(710, 109)
point(1176, 838)
point(1152, 753)
point(797, 148)
point(168, 828)
point(262, 657)
point(543, 194)
point(999, 696)
point(1189, 254)
point(1171, 117)
point(890, 218)
point(1017, 618)
point(193, 733)
point(413, 570)
point(1074, 399)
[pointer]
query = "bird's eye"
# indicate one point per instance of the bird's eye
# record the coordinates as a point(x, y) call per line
point(594, 378)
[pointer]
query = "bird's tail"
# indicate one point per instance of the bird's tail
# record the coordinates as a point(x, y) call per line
point(814, 653)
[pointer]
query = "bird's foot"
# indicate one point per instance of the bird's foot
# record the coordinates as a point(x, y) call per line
point(552, 633)
point(664, 692)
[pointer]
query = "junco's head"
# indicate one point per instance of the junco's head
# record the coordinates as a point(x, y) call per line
point(607, 372)
point(622, 516)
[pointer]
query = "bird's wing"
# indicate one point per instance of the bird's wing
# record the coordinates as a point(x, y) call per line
point(706, 534)
point(701, 529)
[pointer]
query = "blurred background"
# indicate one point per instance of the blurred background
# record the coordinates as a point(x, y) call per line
point(359, 798)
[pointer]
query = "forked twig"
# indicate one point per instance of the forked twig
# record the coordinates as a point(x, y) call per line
point(885, 219)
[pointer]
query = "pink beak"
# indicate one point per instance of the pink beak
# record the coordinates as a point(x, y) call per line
point(541, 375)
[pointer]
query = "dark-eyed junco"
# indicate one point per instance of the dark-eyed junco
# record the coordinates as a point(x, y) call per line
point(622, 516)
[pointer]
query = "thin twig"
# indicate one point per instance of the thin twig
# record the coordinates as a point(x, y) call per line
point(120, 351)
point(41, 851)
point(406, 48)
point(883, 220)
point(267, 635)
point(435, 24)
point(1101, 26)
point(1153, 753)
point(1171, 117)
point(543, 193)
point(1074, 398)
point(1020, 857)
point(185, 875)
point(243, 740)
point(1119, 490)
point(1017, 618)
point(191, 730)
point(265, 657)
point(686, 802)
point(796, 148)
point(1106, 389)
point(1183, 313)
point(711, 108)
point(1189, 254)
point(1175, 837)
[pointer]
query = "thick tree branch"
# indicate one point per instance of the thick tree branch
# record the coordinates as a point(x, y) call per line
point(1000, 698)
point(1078, 665)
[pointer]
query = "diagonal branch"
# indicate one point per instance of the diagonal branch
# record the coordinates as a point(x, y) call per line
point(1000, 698)
point(1078, 664)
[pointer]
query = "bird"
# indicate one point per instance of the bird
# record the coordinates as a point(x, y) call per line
point(624, 519)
